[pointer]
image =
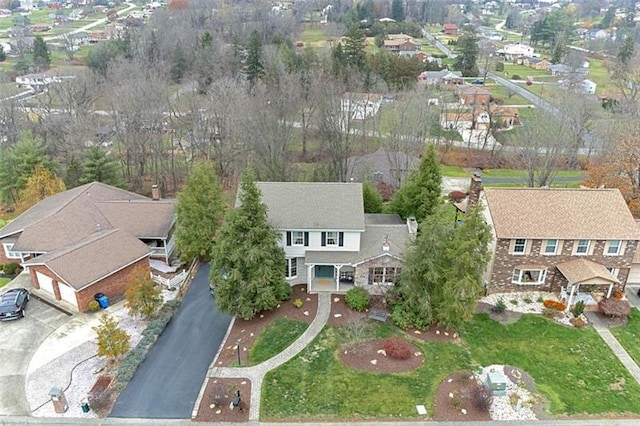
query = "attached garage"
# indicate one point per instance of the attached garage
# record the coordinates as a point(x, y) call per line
point(45, 282)
point(68, 294)
point(634, 272)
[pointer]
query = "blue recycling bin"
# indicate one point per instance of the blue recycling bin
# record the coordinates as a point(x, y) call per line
point(103, 301)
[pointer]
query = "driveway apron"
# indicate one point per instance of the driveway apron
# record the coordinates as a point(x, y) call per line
point(167, 383)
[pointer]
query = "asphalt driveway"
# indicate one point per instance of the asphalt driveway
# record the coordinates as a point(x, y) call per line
point(19, 340)
point(167, 383)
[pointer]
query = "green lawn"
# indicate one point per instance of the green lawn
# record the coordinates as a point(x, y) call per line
point(629, 335)
point(4, 281)
point(520, 70)
point(572, 368)
point(275, 338)
point(508, 97)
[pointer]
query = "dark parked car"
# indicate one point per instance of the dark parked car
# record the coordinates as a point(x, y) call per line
point(477, 81)
point(13, 304)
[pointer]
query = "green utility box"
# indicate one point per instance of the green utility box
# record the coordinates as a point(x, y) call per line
point(497, 382)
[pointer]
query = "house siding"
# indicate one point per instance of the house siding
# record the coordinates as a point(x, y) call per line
point(503, 264)
point(351, 242)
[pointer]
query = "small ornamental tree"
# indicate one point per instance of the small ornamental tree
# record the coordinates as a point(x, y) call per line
point(113, 342)
point(41, 184)
point(143, 296)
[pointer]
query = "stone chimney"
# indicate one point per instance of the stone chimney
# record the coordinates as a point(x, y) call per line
point(155, 192)
point(474, 190)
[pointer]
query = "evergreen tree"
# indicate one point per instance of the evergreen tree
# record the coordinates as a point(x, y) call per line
point(626, 50)
point(41, 56)
point(443, 287)
point(41, 184)
point(254, 66)
point(248, 265)
point(143, 296)
point(113, 342)
point(199, 211)
point(3, 55)
point(17, 165)
point(371, 198)
point(73, 174)
point(467, 51)
point(204, 61)
point(420, 193)
point(99, 167)
point(353, 50)
point(397, 10)
point(178, 64)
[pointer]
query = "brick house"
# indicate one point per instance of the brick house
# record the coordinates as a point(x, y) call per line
point(450, 29)
point(400, 45)
point(87, 240)
point(472, 95)
point(559, 239)
point(329, 242)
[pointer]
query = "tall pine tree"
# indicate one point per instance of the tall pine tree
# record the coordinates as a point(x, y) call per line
point(248, 265)
point(41, 56)
point(420, 193)
point(467, 51)
point(99, 167)
point(254, 66)
point(199, 211)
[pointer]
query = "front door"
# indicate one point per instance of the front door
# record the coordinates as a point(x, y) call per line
point(324, 271)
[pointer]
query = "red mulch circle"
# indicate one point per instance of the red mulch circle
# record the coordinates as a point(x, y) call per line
point(450, 409)
point(361, 356)
point(248, 331)
point(224, 390)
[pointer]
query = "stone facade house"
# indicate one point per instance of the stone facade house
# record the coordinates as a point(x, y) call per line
point(561, 240)
point(87, 240)
point(329, 242)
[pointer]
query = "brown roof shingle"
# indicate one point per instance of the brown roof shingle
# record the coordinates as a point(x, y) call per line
point(78, 265)
point(560, 213)
point(583, 271)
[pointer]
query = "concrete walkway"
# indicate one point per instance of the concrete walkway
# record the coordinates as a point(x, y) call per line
point(256, 373)
point(602, 329)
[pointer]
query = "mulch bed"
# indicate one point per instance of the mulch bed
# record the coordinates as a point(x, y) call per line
point(342, 314)
point(248, 331)
point(447, 408)
point(506, 317)
point(433, 334)
point(370, 356)
point(223, 390)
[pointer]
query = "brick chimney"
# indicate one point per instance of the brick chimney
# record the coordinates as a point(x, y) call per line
point(474, 190)
point(155, 192)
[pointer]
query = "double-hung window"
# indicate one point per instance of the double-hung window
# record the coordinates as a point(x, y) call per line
point(519, 246)
point(292, 268)
point(297, 238)
point(550, 247)
point(10, 254)
point(332, 238)
point(582, 247)
point(613, 248)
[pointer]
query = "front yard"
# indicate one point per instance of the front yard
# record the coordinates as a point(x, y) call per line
point(628, 335)
point(573, 369)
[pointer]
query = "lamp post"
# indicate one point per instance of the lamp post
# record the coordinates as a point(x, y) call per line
point(238, 348)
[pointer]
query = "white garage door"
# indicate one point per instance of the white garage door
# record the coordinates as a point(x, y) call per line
point(68, 294)
point(46, 283)
point(634, 274)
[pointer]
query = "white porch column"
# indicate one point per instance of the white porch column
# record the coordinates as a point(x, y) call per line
point(573, 289)
point(309, 277)
point(337, 269)
point(610, 289)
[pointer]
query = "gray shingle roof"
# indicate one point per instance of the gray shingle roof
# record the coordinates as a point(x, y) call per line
point(311, 205)
point(561, 213)
point(78, 264)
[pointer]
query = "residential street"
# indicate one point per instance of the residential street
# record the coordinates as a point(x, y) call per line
point(168, 382)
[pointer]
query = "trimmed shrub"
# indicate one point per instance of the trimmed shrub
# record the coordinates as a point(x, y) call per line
point(617, 294)
point(94, 306)
point(615, 307)
point(516, 77)
point(397, 349)
point(10, 268)
point(500, 67)
point(357, 299)
point(298, 303)
point(481, 396)
point(554, 304)
point(499, 307)
point(578, 309)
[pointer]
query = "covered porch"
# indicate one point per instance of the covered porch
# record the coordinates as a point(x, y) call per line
point(329, 271)
point(589, 275)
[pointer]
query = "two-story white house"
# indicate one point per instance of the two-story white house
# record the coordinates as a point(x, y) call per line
point(329, 242)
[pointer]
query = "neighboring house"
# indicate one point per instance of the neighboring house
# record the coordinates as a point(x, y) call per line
point(40, 80)
point(329, 242)
point(473, 95)
point(564, 70)
point(559, 239)
point(482, 118)
point(514, 51)
point(533, 62)
point(588, 87)
point(400, 45)
point(450, 29)
point(441, 77)
point(596, 34)
point(88, 240)
point(381, 166)
point(423, 57)
point(361, 105)
point(585, 87)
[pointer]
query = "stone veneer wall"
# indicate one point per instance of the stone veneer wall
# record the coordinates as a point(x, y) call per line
point(361, 275)
point(504, 263)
